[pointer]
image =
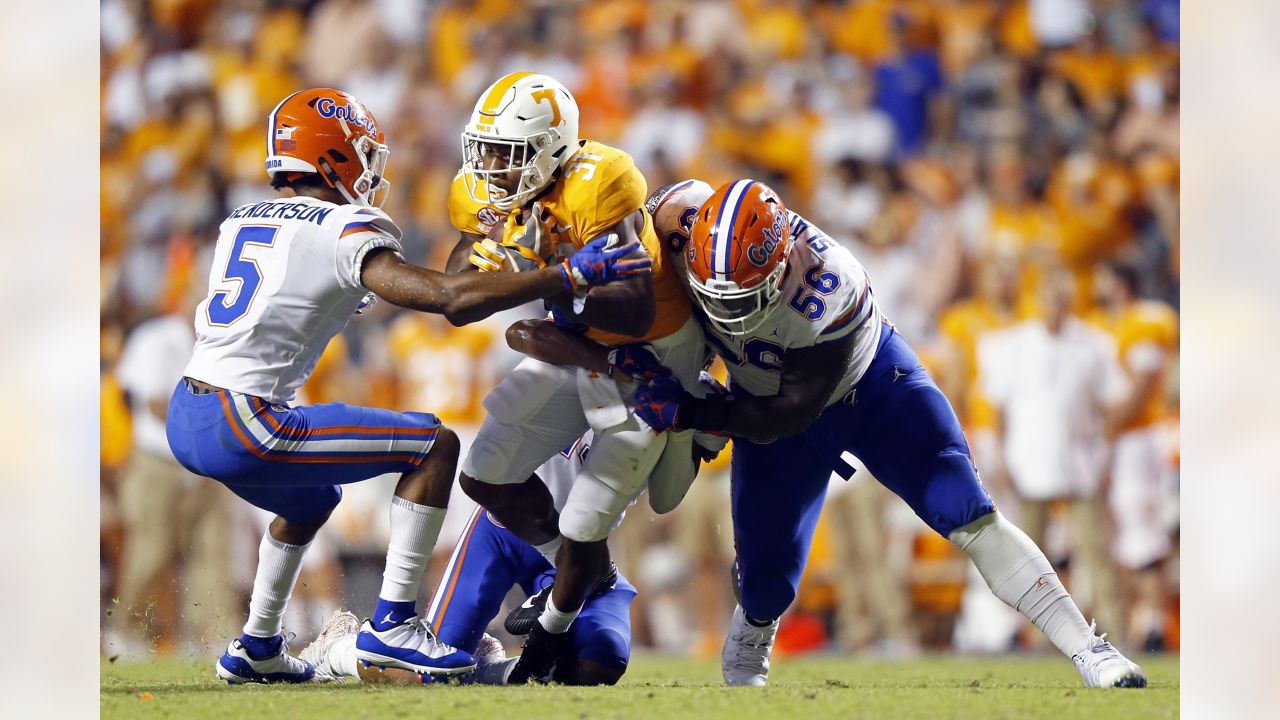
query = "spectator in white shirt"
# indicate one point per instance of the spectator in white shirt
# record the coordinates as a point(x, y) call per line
point(1053, 381)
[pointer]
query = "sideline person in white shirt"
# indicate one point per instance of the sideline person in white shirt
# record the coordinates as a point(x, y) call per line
point(1053, 381)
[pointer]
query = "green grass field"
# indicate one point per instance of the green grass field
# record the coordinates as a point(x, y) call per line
point(656, 686)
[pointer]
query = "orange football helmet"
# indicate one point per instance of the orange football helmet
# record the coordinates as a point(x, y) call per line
point(737, 255)
point(328, 132)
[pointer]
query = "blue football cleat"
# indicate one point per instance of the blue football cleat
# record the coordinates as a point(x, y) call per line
point(410, 646)
point(235, 666)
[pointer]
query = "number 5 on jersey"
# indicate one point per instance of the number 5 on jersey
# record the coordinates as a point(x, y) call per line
point(244, 272)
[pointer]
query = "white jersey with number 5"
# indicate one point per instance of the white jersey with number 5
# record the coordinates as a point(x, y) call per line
point(826, 296)
point(285, 279)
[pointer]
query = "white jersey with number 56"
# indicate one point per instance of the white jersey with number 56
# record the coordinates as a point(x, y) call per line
point(285, 279)
point(826, 296)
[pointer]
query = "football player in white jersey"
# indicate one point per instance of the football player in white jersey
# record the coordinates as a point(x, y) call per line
point(817, 370)
point(488, 560)
point(287, 274)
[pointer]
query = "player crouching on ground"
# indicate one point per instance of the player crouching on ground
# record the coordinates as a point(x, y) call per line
point(489, 559)
point(287, 274)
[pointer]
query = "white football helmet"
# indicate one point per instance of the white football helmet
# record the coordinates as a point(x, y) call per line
point(530, 119)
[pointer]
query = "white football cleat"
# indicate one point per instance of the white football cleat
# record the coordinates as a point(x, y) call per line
point(1102, 666)
point(341, 624)
point(489, 651)
point(411, 645)
point(235, 666)
point(745, 658)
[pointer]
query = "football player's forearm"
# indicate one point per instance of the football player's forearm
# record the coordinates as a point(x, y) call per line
point(542, 340)
point(625, 307)
point(475, 296)
point(462, 298)
point(759, 419)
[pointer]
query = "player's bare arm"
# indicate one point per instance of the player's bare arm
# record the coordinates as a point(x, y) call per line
point(809, 376)
point(542, 340)
point(626, 307)
point(467, 297)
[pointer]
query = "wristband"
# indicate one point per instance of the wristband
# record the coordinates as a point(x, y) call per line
point(567, 275)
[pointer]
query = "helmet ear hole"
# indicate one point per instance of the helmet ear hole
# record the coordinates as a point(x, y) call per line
point(328, 173)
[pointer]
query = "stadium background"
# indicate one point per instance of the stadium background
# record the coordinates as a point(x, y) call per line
point(934, 138)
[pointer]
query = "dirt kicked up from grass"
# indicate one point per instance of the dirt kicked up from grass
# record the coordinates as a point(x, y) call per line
point(668, 688)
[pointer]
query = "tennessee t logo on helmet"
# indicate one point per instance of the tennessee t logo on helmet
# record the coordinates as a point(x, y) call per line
point(531, 120)
point(738, 248)
point(329, 133)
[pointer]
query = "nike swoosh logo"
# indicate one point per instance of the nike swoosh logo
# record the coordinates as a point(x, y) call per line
point(528, 603)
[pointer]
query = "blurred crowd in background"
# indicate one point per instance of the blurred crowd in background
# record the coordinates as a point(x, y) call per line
point(1006, 170)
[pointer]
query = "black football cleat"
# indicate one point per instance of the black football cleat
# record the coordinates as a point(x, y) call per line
point(542, 650)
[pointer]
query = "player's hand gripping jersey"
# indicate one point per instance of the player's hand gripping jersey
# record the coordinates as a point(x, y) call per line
point(823, 293)
point(598, 187)
point(285, 279)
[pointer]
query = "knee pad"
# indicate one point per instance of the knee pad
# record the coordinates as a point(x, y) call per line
point(489, 459)
point(592, 510)
point(671, 477)
point(584, 524)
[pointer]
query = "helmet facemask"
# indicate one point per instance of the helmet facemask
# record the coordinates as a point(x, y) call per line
point(531, 157)
point(738, 311)
point(370, 188)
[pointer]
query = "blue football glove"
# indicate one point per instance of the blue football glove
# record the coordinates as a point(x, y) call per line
point(564, 320)
point(638, 361)
point(658, 403)
point(594, 264)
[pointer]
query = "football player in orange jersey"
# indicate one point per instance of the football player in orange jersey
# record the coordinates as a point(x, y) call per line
point(286, 276)
point(527, 175)
point(1146, 335)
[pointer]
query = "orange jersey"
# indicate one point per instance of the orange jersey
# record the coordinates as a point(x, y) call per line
point(441, 370)
point(599, 187)
point(328, 380)
point(115, 422)
point(1146, 335)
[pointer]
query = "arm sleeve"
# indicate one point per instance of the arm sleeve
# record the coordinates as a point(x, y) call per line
point(365, 230)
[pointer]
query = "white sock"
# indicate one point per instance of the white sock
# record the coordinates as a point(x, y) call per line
point(278, 567)
point(549, 549)
point(1020, 575)
point(414, 531)
point(553, 620)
